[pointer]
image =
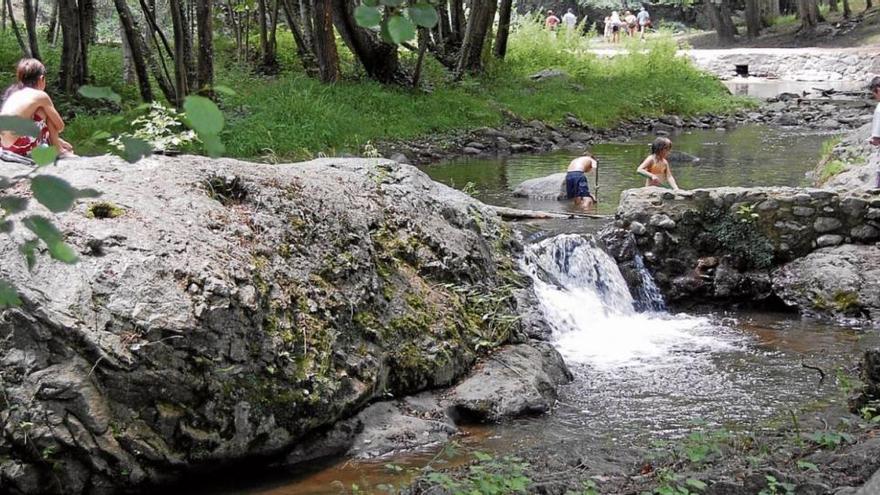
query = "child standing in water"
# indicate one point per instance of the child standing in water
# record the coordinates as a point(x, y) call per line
point(655, 168)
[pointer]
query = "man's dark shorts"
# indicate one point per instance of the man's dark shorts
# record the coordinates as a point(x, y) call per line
point(576, 185)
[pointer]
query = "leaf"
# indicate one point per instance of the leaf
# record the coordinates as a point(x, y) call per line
point(13, 204)
point(100, 136)
point(28, 249)
point(807, 466)
point(371, 3)
point(134, 149)
point(49, 234)
point(392, 3)
point(401, 29)
point(203, 115)
point(225, 90)
point(367, 17)
point(695, 483)
point(44, 155)
point(8, 295)
point(6, 226)
point(213, 145)
point(19, 126)
point(100, 93)
point(54, 193)
point(423, 15)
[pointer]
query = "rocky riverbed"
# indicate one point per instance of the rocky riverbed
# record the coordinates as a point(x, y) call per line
point(223, 311)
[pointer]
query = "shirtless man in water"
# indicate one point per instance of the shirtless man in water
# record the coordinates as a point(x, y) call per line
point(577, 187)
point(27, 99)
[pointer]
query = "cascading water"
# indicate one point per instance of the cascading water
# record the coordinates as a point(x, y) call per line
point(587, 303)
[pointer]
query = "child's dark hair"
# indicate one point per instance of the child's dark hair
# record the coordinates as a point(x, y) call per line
point(875, 84)
point(660, 144)
point(27, 74)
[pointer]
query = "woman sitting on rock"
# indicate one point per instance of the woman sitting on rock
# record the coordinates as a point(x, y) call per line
point(655, 168)
point(27, 98)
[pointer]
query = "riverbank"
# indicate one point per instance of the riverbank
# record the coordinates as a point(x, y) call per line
point(289, 117)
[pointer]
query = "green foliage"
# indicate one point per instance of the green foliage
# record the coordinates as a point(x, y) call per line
point(702, 446)
point(830, 439)
point(830, 169)
point(162, 128)
point(487, 475)
point(51, 236)
point(100, 93)
point(807, 466)
point(671, 483)
point(57, 194)
point(776, 487)
point(19, 126)
point(740, 237)
point(8, 295)
point(396, 24)
point(44, 155)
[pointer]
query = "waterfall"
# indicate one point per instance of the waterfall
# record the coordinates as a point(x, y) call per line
point(650, 297)
point(593, 316)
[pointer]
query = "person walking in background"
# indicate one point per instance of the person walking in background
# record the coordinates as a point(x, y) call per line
point(607, 28)
point(615, 26)
point(631, 24)
point(570, 20)
point(644, 19)
point(552, 21)
point(874, 87)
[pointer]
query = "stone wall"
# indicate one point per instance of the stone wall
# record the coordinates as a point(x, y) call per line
point(747, 245)
point(792, 64)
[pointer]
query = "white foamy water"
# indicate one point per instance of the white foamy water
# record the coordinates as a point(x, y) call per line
point(587, 303)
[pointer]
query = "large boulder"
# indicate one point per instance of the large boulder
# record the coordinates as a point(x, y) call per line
point(516, 381)
point(843, 281)
point(549, 187)
point(233, 309)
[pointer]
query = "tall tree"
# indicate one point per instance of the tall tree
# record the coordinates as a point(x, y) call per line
point(325, 41)
point(457, 21)
point(847, 12)
point(205, 28)
point(52, 30)
point(181, 70)
point(379, 59)
point(479, 22)
point(832, 6)
point(73, 71)
point(753, 18)
point(25, 47)
point(719, 15)
point(137, 48)
point(30, 25)
point(504, 12)
point(305, 50)
point(809, 15)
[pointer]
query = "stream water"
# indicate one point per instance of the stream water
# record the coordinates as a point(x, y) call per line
point(644, 376)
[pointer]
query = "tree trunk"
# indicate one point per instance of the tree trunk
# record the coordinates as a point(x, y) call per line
point(72, 71)
point(503, 28)
point(30, 25)
point(457, 21)
point(808, 13)
point(868, 4)
point(423, 45)
point(262, 23)
point(753, 18)
point(304, 50)
point(307, 16)
point(379, 59)
point(325, 41)
point(719, 15)
point(847, 12)
point(181, 71)
point(25, 48)
point(88, 26)
point(131, 35)
point(205, 29)
point(832, 6)
point(470, 57)
point(52, 29)
point(3, 3)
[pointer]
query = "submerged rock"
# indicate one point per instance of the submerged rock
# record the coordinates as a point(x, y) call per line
point(549, 187)
point(234, 310)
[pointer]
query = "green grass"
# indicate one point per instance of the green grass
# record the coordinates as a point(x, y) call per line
point(291, 116)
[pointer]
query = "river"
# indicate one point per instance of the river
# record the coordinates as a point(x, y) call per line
point(640, 377)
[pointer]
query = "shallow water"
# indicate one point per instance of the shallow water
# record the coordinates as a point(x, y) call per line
point(750, 155)
point(640, 377)
point(759, 87)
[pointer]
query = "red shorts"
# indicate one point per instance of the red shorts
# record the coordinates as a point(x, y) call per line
point(25, 144)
